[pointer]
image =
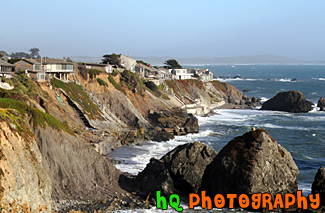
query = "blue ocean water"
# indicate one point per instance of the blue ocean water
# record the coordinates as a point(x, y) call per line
point(303, 135)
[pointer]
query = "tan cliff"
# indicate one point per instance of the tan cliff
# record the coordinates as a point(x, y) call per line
point(72, 125)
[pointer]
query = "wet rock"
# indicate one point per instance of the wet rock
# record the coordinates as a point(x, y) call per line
point(191, 125)
point(246, 90)
point(319, 185)
point(321, 104)
point(186, 164)
point(179, 171)
point(251, 163)
point(294, 80)
point(291, 101)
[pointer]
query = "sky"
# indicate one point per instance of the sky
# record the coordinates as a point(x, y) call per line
point(178, 28)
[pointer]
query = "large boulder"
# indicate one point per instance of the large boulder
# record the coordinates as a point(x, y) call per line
point(291, 101)
point(319, 185)
point(321, 104)
point(191, 125)
point(251, 163)
point(179, 171)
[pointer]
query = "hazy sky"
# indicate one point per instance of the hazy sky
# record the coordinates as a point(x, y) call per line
point(176, 28)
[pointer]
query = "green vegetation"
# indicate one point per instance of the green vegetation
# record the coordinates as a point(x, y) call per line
point(113, 59)
point(115, 72)
point(16, 123)
point(102, 82)
point(24, 89)
point(116, 85)
point(132, 81)
point(173, 64)
point(78, 94)
point(93, 73)
point(142, 62)
point(35, 116)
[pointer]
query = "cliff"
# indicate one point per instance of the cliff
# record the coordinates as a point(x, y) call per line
point(54, 134)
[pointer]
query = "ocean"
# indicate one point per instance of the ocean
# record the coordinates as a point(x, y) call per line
point(303, 135)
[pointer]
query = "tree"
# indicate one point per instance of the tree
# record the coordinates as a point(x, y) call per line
point(3, 53)
point(20, 55)
point(112, 59)
point(34, 52)
point(173, 64)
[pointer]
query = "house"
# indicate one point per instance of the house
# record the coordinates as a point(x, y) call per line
point(57, 68)
point(205, 75)
point(44, 69)
point(6, 69)
point(181, 74)
point(108, 68)
point(128, 63)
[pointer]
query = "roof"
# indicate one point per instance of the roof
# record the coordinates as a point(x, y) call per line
point(4, 63)
point(52, 61)
point(30, 61)
point(146, 67)
point(93, 64)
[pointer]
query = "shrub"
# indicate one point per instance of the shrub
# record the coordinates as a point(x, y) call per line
point(93, 73)
point(114, 72)
point(116, 85)
point(102, 82)
point(36, 117)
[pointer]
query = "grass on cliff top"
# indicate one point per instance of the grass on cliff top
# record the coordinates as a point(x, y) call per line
point(24, 89)
point(78, 94)
point(16, 124)
point(35, 116)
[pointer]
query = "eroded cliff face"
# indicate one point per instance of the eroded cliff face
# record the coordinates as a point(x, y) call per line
point(77, 171)
point(25, 185)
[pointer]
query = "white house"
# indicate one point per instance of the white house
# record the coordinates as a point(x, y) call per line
point(181, 74)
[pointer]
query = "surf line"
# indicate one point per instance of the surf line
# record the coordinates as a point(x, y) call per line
point(254, 201)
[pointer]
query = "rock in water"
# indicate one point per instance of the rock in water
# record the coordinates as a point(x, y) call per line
point(179, 171)
point(319, 185)
point(321, 104)
point(191, 125)
point(251, 163)
point(187, 163)
point(291, 101)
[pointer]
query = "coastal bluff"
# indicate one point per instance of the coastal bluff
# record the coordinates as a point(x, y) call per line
point(56, 135)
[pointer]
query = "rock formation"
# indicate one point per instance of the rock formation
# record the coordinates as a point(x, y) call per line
point(251, 163)
point(319, 185)
point(180, 170)
point(321, 104)
point(291, 101)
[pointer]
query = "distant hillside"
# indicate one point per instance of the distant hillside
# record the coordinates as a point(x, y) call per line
point(249, 59)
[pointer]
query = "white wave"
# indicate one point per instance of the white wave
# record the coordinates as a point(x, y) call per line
point(238, 79)
point(263, 99)
point(321, 79)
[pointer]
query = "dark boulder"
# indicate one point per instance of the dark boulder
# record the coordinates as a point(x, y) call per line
point(291, 101)
point(153, 178)
point(251, 163)
point(246, 90)
point(294, 80)
point(191, 125)
point(321, 104)
point(319, 185)
point(179, 171)
point(186, 164)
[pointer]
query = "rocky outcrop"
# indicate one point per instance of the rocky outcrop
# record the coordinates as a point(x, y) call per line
point(251, 163)
point(179, 171)
point(77, 171)
point(25, 186)
point(172, 123)
point(291, 101)
point(318, 186)
point(321, 104)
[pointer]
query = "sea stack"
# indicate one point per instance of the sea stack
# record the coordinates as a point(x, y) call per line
point(321, 104)
point(251, 163)
point(290, 101)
